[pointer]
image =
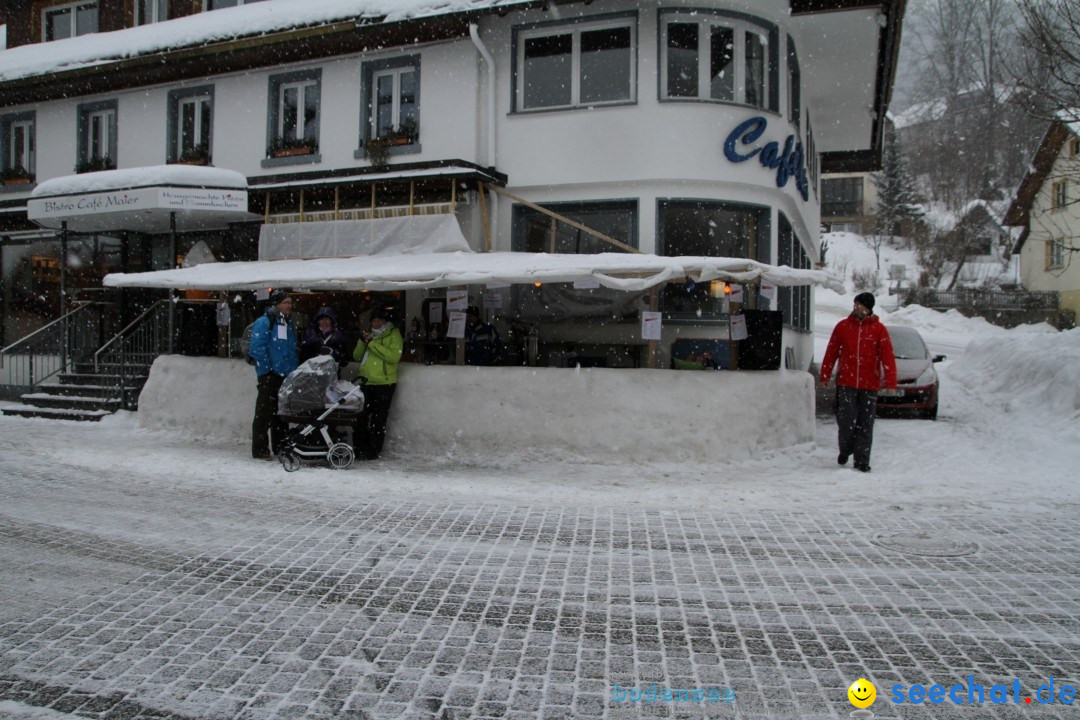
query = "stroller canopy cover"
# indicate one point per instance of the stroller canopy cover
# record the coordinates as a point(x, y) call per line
point(313, 386)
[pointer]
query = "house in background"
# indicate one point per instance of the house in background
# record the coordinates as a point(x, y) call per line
point(1046, 209)
point(847, 202)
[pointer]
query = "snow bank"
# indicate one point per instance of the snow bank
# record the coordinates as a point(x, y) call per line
point(638, 415)
point(467, 412)
point(204, 397)
point(1036, 376)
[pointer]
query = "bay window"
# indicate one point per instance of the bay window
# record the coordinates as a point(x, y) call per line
point(713, 56)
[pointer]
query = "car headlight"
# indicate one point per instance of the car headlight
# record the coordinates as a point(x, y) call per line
point(928, 377)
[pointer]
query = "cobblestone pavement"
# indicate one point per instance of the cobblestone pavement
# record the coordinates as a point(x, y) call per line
point(394, 609)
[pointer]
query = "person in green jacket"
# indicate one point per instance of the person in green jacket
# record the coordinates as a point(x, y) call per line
point(378, 352)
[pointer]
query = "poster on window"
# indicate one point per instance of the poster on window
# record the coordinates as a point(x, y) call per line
point(587, 284)
point(435, 313)
point(736, 293)
point(768, 292)
point(457, 299)
point(456, 328)
point(497, 286)
point(738, 327)
point(224, 314)
point(493, 300)
point(651, 325)
point(262, 294)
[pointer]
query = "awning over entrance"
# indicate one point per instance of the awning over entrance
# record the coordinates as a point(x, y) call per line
point(620, 271)
point(142, 200)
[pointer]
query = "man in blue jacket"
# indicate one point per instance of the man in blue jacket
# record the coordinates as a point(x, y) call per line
point(273, 348)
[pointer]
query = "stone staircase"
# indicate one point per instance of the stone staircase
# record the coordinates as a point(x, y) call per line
point(83, 395)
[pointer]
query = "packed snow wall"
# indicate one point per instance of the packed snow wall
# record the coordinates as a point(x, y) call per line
point(470, 412)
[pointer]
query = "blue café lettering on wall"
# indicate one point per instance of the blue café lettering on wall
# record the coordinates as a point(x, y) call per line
point(788, 162)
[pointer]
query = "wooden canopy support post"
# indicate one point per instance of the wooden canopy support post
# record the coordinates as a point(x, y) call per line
point(337, 202)
point(266, 207)
point(484, 216)
point(412, 195)
point(654, 304)
point(372, 201)
point(301, 204)
point(453, 197)
point(553, 241)
point(568, 221)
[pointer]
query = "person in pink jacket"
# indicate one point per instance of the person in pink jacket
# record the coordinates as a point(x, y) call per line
point(862, 345)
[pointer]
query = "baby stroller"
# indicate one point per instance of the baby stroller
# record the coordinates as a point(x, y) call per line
point(313, 390)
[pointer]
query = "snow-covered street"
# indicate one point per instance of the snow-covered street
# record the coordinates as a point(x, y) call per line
point(148, 574)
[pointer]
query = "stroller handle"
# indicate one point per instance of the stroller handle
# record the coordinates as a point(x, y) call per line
point(334, 407)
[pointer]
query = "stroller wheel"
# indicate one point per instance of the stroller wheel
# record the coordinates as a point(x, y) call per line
point(340, 456)
point(289, 461)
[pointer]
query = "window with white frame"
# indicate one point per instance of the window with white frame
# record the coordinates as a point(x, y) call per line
point(394, 103)
point(1055, 253)
point(1059, 194)
point(293, 114)
point(298, 110)
point(97, 136)
point(191, 119)
point(714, 56)
point(18, 145)
point(151, 11)
point(64, 21)
point(576, 64)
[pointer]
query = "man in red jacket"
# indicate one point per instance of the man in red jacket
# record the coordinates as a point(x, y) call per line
point(863, 347)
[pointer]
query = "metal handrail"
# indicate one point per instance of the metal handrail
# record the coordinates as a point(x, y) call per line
point(118, 337)
point(48, 350)
point(42, 329)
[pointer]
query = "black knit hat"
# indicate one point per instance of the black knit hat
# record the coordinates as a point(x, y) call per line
point(278, 296)
point(866, 300)
point(381, 313)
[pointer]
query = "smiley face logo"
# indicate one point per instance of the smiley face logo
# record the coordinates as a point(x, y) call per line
point(862, 693)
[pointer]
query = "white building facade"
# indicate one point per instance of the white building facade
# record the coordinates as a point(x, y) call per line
point(676, 128)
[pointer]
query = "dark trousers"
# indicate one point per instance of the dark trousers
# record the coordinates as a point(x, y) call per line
point(266, 429)
point(369, 441)
point(855, 412)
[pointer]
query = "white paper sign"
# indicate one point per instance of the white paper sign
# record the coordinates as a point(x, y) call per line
point(224, 314)
point(493, 300)
point(587, 284)
point(768, 290)
point(262, 294)
point(738, 327)
point(456, 328)
point(457, 299)
point(736, 293)
point(435, 313)
point(496, 286)
point(283, 332)
point(651, 325)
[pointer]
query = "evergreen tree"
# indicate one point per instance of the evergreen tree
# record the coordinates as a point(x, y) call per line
point(897, 199)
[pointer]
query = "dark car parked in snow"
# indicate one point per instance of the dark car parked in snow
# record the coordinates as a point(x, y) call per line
point(917, 380)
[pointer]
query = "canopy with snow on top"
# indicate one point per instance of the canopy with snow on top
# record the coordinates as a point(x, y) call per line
point(620, 271)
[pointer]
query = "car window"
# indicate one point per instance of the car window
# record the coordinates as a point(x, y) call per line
point(908, 345)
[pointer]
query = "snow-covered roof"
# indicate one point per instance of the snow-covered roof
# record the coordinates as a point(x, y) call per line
point(433, 270)
point(163, 175)
point(261, 18)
